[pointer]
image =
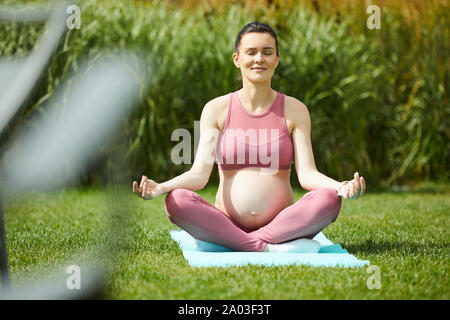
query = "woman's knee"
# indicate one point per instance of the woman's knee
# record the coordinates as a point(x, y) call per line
point(176, 200)
point(329, 199)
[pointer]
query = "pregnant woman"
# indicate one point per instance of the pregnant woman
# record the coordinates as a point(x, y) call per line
point(260, 132)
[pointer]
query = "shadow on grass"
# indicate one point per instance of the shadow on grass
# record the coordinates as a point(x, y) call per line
point(407, 248)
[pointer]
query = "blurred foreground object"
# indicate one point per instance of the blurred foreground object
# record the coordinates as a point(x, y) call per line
point(19, 77)
point(61, 142)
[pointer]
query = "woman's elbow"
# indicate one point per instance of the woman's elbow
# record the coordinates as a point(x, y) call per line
point(201, 180)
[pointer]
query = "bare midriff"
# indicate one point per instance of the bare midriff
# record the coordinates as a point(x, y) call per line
point(251, 197)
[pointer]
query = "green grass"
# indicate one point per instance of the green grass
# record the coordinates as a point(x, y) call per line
point(404, 233)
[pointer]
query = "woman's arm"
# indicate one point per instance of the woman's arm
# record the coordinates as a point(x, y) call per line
point(190, 180)
point(308, 175)
point(314, 180)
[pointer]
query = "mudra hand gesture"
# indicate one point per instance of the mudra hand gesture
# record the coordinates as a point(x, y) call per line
point(147, 189)
point(353, 189)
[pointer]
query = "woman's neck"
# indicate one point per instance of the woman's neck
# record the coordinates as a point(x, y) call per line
point(256, 95)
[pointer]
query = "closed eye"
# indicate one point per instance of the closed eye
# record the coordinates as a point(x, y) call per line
point(267, 53)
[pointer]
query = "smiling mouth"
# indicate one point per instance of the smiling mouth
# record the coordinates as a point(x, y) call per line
point(260, 69)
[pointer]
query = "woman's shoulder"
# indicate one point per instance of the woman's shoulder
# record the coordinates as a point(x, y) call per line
point(216, 111)
point(293, 105)
point(218, 104)
point(296, 113)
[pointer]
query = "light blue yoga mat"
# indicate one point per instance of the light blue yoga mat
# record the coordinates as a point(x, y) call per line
point(213, 255)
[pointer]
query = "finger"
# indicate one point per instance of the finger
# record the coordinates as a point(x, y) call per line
point(144, 189)
point(353, 193)
point(350, 189)
point(136, 188)
point(143, 180)
point(363, 186)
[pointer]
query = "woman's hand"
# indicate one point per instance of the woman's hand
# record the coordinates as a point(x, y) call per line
point(353, 189)
point(147, 189)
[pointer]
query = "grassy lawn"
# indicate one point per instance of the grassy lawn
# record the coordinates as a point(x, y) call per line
point(404, 233)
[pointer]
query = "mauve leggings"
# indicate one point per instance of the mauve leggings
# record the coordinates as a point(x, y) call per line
point(303, 219)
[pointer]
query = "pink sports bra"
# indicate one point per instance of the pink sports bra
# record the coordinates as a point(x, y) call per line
point(249, 140)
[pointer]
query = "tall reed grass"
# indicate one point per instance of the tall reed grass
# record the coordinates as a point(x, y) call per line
point(378, 98)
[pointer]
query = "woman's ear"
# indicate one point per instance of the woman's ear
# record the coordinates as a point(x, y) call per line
point(235, 60)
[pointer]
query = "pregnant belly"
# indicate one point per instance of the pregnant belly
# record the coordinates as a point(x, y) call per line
point(252, 198)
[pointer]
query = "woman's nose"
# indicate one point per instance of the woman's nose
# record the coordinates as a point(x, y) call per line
point(259, 57)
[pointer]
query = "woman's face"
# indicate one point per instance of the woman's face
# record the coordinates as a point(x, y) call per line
point(257, 56)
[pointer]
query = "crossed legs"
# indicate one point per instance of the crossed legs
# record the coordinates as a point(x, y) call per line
point(303, 219)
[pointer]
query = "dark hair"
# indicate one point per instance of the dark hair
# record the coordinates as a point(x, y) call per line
point(255, 27)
